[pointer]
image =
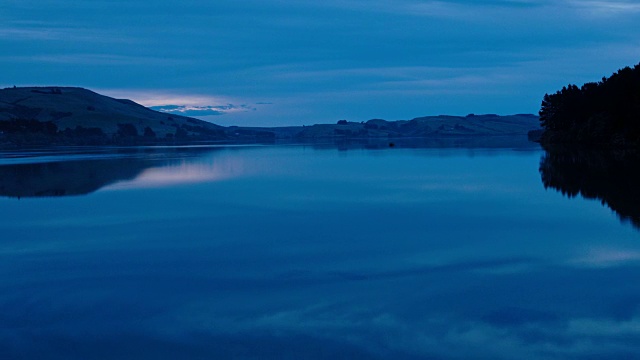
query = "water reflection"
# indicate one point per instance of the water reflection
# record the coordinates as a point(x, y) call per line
point(609, 176)
point(72, 174)
point(58, 173)
point(65, 178)
point(311, 253)
point(181, 173)
point(445, 142)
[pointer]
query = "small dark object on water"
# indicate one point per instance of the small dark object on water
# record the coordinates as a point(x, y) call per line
point(391, 144)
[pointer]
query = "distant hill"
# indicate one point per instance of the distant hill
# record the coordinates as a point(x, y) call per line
point(83, 113)
point(76, 116)
point(605, 113)
point(428, 126)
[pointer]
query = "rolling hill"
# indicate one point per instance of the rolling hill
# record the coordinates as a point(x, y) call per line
point(77, 116)
point(72, 107)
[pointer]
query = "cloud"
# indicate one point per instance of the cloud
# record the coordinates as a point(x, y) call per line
point(460, 9)
point(432, 8)
point(406, 78)
point(445, 9)
point(604, 327)
point(488, 10)
point(155, 98)
point(196, 105)
point(533, 335)
point(54, 31)
point(206, 110)
point(95, 59)
point(606, 8)
point(37, 34)
point(606, 257)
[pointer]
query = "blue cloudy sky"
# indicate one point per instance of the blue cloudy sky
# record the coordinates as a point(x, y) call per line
point(278, 62)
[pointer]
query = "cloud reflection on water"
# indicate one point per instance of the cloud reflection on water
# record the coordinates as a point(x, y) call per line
point(47, 175)
point(604, 257)
point(289, 253)
point(185, 173)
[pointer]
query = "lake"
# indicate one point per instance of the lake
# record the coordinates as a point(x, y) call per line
point(317, 252)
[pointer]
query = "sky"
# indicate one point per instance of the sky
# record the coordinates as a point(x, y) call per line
point(283, 62)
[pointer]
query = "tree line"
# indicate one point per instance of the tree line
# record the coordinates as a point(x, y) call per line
point(604, 112)
point(31, 131)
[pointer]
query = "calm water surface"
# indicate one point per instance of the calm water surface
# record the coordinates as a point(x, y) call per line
point(299, 252)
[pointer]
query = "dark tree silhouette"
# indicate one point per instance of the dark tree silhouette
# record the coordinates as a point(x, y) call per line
point(127, 130)
point(610, 176)
point(28, 126)
point(149, 133)
point(605, 112)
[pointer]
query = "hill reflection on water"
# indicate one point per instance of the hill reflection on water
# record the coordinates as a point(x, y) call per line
point(608, 176)
point(55, 175)
point(345, 252)
point(611, 176)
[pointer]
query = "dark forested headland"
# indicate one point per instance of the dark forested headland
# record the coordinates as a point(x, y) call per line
point(604, 113)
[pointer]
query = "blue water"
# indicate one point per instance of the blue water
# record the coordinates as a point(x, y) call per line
point(303, 252)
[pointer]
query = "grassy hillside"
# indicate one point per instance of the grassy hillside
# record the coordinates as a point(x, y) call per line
point(428, 126)
point(76, 116)
point(70, 107)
